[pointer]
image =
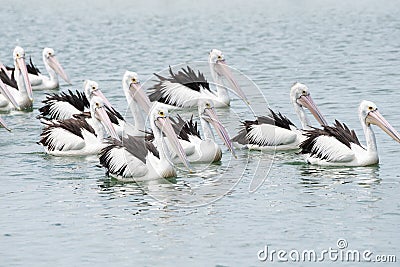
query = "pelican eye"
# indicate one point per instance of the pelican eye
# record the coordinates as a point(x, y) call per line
point(161, 113)
point(208, 105)
point(134, 80)
point(219, 57)
point(93, 87)
point(304, 92)
point(18, 55)
point(98, 105)
point(370, 108)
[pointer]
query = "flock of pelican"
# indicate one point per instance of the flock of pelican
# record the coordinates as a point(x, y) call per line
point(85, 123)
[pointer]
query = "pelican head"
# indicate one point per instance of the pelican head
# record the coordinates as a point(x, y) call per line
point(50, 58)
point(300, 95)
point(98, 111)
point(216, 56)
point(218, 66)
point(207, 113)
point(91, 89)
point(20, 66)
point(369, 114)
point(131, 84)
point(159, 117)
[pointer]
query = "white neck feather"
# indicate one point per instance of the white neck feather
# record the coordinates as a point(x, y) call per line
point(136, 112)
point(222, 92)
point(305, 123)
point(53, 77)
point(160, 143)
point(369, 137)
point(207, 132)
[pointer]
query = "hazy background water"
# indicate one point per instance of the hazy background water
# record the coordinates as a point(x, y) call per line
point(66, 212)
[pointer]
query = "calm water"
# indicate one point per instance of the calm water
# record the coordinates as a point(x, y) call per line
point(66, 212)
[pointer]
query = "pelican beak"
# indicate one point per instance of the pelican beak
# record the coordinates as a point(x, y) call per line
point(135, 89)
point(100, 94)
point(3, 124)
point(6, 93)
point(56, 66)
point(308, 102)
point(165, 125)
point(223, 70)
point(2, 67)
point(22, 67)
point(374, 117)
point(210, 116)
point(103, 117)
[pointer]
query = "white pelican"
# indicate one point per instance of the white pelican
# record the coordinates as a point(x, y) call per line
point(185, 88)
point(338, 146)
point(275, 131)
point(76, 137)
point(53, 67)
point(18, 83)
point(137, 100)
point(69, 105)
point(65, 105)
point(72, 104)
point(204, 149)
point(135, 159)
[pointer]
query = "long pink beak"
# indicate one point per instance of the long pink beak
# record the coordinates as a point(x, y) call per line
point(3, 124)
point(374, 117)
point(100, 94)
point(223, 70)
point(165, 125)
point(135, 89)
point(308, 102)
point(2, 67)
point(102, 115)
point(6, 93)
point(56, 66)
point(210, 116)
point(22, 67)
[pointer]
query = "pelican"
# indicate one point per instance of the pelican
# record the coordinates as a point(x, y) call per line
point(137, 100)
point(338, 146)
point(185, 88)
point(135, 159)
point(76, 137)
point(277, 131)
point(204, 149)
point(18, 83)
point(72, 104)
point(67, 104)
point(53, 67)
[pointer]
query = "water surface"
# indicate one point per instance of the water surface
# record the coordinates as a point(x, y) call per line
point(66, 212)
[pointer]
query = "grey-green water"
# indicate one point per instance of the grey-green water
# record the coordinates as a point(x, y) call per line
point(66, 212)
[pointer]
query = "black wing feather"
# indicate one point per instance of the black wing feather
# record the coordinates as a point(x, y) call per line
point(185, 128)
point(72, 125)
point(276, 119)
point(340, 131)
point(77, 99)
point(186, 77)
point(137, 146)
point(10, 81)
